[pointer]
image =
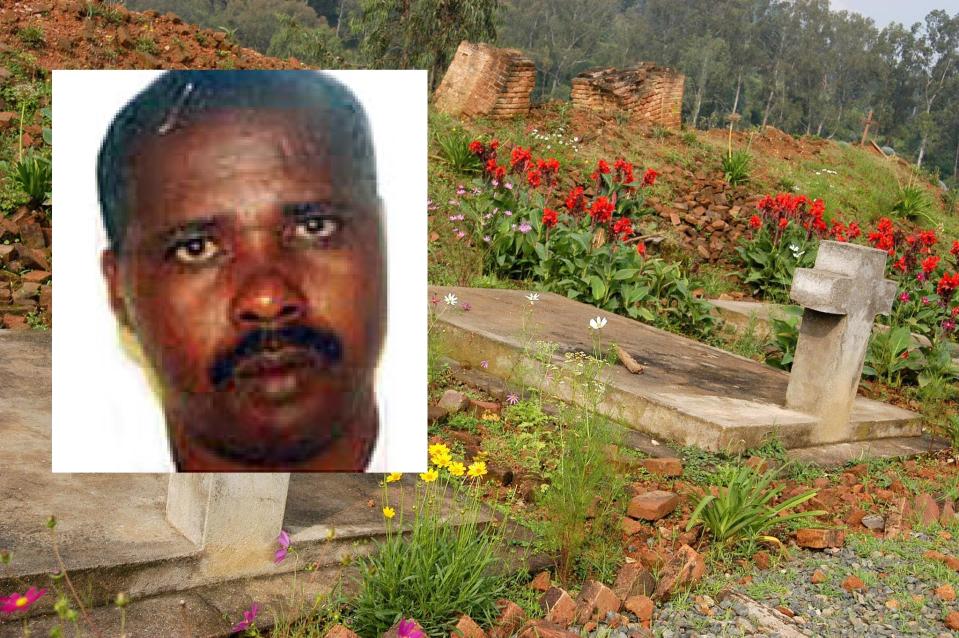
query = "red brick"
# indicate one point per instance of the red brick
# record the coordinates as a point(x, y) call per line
point(642, 606)
point(853, 583)
point(631, 526)
point(634, 579)
point(952, 620)
point(467, 628)
point(541, 582)
point(341, 631)
point(685, 568)
point(511, 617)
point(544, 629)
point(558, 607)
point(820, 538)
point(927, 508)
point(663, 467)
point(946, 592)
point(595, 600)
point(818, 577)
point(479, 408)
point(652, 506)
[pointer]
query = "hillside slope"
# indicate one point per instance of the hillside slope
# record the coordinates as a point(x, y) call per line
point(87, 34)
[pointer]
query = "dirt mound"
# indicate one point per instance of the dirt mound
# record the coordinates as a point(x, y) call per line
point(85, 34)
point(773, 142)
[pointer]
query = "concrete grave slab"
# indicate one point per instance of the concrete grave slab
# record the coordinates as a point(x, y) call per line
point(691, 393)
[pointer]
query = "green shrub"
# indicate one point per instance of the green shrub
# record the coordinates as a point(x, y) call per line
point(770, 259)
point(34, 175)
point(784, 333)
point(455, 151)
point(912, 202)
point(437, 572)
point(462, 421)
point(736, 166)
point(744, 512)
point(938, 374)
point(891, 356)
point(32, 37)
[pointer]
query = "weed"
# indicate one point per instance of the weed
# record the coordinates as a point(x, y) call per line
point(741, 513)
point(32, 37)
point(455, 151)
point(913, 202)
point(661, 132)
point(463, 421)
point(736, 166)
point(146, 44)
point(105, 11)
point(36, 320)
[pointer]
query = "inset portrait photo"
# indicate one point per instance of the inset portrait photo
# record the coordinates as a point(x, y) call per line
point(241, 264)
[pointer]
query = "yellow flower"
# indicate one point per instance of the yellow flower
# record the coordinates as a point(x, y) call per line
point(429, 476)
point(477, 469)
point(490, 416)
point(441, 458)
point(438, 448)
point(393, 477)
point(457, 469)
point(389, 512)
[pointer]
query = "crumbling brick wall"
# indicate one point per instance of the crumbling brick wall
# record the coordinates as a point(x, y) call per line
point(485, 80)
point(651, 94)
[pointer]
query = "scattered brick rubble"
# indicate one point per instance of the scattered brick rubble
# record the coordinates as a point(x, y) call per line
point(485, 80)
point(649, 93)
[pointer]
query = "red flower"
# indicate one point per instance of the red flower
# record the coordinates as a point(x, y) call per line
point(901, 264)
point(641, 248)
point(601, 168)
point(929, 264)
point(519, 158)
point(649, 177)
point(818, 208)
point(948, 284)
point(955, 249)
point(624, 171)
point(623, 227)
point(602, 210)
point(534, 177)
point(928, 237)
point(550, 218)
point(575, 201)
point(838, 230)
point(783, 222)
point(549, 165)
point(477, 148)
point(755, 222)
point(494, 144)
point(853, 230)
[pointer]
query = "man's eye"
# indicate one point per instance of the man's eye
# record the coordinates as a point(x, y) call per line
point(196, 250)
point(316, 228)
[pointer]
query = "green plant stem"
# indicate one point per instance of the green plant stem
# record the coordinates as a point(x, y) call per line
point(66, 577)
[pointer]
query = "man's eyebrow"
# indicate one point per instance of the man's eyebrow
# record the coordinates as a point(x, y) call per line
point(184, 229)
point(299, 210)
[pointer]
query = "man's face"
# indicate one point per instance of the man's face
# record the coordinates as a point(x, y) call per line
point(255, 282)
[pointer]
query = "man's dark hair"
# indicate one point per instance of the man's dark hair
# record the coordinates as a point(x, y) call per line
point(178, 98)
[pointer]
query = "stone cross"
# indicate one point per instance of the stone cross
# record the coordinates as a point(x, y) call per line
point(841, 296)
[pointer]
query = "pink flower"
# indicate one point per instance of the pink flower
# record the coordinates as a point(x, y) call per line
point(466, 306)
point(512, 398)
point(16, 602)
point(284, 540)
point(407, 629)
point(485, 364)
point(904, 297)
point(249, 618)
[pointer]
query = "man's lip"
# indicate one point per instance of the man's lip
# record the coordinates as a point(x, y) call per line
point(272, 362)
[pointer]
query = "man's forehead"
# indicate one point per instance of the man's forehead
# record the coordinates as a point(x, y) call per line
point(241, 136)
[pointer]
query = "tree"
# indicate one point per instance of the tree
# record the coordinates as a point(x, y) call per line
point(421, 33)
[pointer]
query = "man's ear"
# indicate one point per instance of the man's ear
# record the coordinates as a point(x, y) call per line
point(108, 262)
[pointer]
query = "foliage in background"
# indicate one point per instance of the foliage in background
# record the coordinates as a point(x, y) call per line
point(455, 151)
point(784, 334)
point(913, 203)
point(420, 34)
point(784, 236)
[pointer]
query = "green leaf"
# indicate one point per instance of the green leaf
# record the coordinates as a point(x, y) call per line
point(598, 287)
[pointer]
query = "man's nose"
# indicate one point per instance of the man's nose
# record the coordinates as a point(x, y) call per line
point(267, 298)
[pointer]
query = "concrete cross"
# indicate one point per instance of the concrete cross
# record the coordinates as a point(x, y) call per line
point(841, 295)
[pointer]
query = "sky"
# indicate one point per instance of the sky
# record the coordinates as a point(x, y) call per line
point(885, 11)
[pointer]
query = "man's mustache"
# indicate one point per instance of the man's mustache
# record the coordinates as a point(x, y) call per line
point(323, 344)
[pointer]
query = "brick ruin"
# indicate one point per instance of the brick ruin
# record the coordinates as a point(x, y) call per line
point(650, 94)
point(485, 80)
